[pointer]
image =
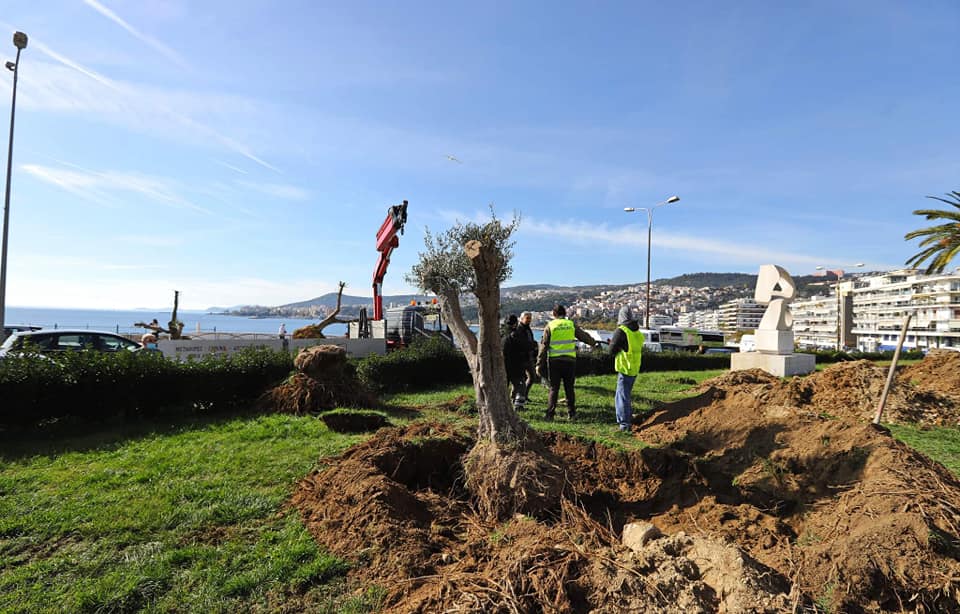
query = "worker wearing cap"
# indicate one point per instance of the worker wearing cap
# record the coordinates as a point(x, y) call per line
point(626, 346)
point(557, 360)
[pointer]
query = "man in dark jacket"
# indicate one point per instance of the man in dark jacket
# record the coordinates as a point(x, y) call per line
point(516, 353)
point(626, 346)
point(558, 358)
point(524, 330)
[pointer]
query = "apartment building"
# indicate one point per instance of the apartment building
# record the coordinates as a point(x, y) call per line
point(815, 322)
point(740, 314)
point(707, 319)
point(882, 302)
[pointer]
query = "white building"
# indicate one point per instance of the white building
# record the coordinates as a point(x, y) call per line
point(658, 319)
point(741, 314)
point(707, 319)
point(881, 303)
point(815, 322)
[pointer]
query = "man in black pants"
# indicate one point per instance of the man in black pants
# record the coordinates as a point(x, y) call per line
point(530, 366)
point(558, 358)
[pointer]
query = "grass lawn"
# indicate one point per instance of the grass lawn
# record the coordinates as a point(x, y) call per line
point(160, 519)
point(190, 517)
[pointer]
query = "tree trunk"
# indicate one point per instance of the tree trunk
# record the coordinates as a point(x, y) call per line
point(330, 319)
point(453, 316)
point(175, 327)
point(498, 420)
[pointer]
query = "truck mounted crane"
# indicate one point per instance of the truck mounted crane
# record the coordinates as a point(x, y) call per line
point(387, 241)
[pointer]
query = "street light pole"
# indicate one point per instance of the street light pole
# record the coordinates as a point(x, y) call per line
point(649, 211)
point(20, 42)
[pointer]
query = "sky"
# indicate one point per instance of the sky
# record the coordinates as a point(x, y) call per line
point(246, 152)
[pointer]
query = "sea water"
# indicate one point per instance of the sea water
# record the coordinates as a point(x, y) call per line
point(123, 321)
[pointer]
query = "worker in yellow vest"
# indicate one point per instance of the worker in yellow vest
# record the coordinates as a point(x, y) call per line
point(557, 360)
point(626, 345)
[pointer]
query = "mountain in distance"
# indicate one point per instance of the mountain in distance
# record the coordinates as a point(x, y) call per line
point(551, 292)
point(710, 280)
point(330, 300)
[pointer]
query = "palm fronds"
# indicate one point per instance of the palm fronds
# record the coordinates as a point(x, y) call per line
point(940, 243)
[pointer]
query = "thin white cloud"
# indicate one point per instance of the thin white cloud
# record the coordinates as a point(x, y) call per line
point(143, 108)
point(276, 190)
point(231, 167)
point(102, 187)
point(164, 50)
point(635, 236)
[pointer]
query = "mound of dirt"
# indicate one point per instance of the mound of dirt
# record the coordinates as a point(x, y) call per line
point(846, 390)
point(939, 371)
point(324, 380)
point(397, 507)
point(850, 515)
point(770, 496)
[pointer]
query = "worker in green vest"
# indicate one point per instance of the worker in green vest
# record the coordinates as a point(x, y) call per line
point(557, 361)
point(626, 345)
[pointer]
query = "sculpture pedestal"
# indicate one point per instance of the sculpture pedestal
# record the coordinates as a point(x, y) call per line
point(781, 365)
point(774, 341)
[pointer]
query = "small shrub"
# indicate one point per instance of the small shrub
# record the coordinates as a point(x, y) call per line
point(426, 363)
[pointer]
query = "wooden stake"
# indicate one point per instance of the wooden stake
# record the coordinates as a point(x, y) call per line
point(893, 368)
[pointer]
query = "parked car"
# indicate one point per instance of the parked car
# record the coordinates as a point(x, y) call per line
point(723, 350)
point(65, 340)
point(9, 329)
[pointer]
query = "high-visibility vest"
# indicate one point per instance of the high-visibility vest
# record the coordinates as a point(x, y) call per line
point(563, 338)
point(628, 361)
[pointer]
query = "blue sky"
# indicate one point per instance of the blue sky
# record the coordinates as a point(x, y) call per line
point(247, 151)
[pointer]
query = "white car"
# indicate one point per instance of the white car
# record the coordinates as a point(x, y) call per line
point(51, 341)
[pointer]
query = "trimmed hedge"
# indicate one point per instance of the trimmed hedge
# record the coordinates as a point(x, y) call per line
point(93, 385)
point(424, 364)
point(600, 362)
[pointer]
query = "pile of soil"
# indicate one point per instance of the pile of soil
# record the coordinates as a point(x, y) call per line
point(770, 497)
point(939, 371)
point(851, 390)
point(324, 380)
point(396, 506)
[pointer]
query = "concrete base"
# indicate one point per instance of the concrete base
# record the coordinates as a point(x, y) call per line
point(780, 365)
point(774, 341)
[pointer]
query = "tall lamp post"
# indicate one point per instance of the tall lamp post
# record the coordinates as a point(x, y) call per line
point(839, 309)
point(20, 42)
point(649, 211)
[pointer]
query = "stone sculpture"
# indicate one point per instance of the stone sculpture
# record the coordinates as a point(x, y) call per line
point(774, 335)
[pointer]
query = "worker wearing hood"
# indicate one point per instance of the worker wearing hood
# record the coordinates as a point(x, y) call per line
point(626, 346)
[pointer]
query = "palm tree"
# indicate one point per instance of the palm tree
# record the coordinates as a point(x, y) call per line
point(941, 243)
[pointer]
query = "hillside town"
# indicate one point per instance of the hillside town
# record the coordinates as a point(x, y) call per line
point(852, 311)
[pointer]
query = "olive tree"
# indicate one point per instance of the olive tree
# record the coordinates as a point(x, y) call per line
point(475, 258)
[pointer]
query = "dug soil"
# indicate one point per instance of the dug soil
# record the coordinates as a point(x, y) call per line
point(764, 495)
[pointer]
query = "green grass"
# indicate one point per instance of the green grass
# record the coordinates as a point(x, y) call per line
point(191, 517)
point(596, 418)
point(184, 518)
point(939, 443)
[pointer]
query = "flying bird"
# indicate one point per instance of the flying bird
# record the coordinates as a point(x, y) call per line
point(453, 159)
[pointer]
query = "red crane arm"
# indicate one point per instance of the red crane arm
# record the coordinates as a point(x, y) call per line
point(387, 240)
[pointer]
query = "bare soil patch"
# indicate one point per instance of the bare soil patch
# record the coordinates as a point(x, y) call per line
point(939, 371)
point(771, 496)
